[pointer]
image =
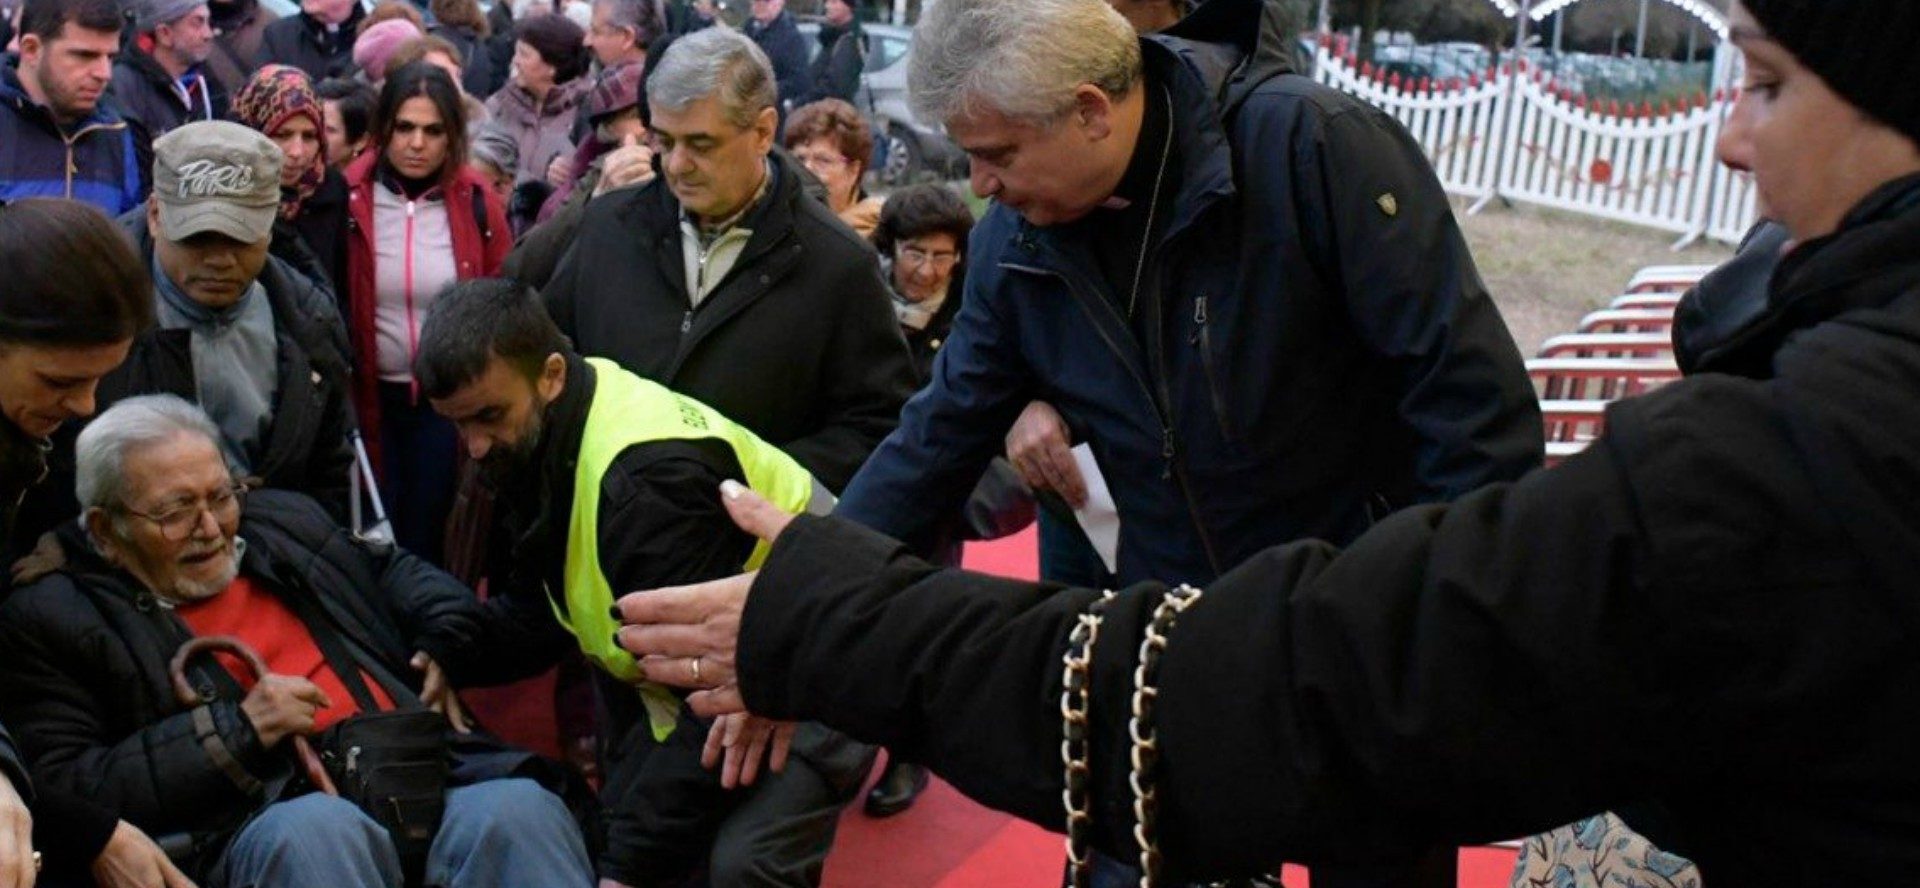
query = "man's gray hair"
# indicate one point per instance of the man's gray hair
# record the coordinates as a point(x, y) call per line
point(646, 18)
point(100, 455)
point(715, 61)
point(1021, 58)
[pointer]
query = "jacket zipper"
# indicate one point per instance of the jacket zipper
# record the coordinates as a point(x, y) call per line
point(1157, 356)
point(699, 293)
point(1168, 452)
point(170, 626)
point(740, 264)
point(413, 330)
point(1203, 340)
point(70, 140)
point(185, 95)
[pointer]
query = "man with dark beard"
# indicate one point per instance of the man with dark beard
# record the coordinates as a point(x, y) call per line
point(609, 481)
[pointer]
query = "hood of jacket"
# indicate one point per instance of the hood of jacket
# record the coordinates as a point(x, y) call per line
point(149, 68)
point(1238, 44)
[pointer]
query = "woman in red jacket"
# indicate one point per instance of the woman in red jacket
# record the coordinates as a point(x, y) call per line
point(418, 221)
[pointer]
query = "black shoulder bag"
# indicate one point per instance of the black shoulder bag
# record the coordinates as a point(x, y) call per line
point(394, 764)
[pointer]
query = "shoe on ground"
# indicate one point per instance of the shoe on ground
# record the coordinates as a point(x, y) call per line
point(899, 785)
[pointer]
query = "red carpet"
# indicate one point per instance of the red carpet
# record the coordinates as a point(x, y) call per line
point(947, 841)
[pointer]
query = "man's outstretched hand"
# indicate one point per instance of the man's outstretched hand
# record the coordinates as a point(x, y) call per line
point(743, 740)
point(688, 636)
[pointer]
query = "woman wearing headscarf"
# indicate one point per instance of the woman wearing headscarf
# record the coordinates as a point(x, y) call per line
point(1709, 613)
point(310, 232)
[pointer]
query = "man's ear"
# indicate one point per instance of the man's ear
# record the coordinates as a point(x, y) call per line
point(1093, 111)
point(765, 124)
point(100, 532)
point(553, 378)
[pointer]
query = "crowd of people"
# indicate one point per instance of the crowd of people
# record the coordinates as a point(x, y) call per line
point(356, 359)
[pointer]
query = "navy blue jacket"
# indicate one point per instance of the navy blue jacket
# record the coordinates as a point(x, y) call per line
point(106, 154)
point(1322, 355)
point(786, 48)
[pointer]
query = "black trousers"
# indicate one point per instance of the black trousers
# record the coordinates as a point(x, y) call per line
point(670, 823)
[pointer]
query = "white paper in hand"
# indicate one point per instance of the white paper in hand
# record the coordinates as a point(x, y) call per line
point(1098, 517)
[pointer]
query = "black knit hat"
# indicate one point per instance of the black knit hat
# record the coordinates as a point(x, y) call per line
point(559, 42)
point(1863, 49)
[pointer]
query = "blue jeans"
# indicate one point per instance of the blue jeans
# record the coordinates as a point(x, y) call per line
point(497, 834)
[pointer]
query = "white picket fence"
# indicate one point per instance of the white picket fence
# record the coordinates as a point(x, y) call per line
point(1511, 135)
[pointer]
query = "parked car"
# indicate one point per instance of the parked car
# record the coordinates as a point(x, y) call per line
point(1413, 63)
point(906, 148)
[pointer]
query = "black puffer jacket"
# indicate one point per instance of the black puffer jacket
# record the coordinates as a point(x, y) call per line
point(83, 677)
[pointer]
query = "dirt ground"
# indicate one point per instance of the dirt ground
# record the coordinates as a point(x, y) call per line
point(1546, 269)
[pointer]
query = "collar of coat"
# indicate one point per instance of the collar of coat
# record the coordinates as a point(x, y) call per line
point(14, 93)
point(655, 213)
point(565, 422)
point(1867, 263)
point(302, 308)
point(561, 99)
point(323, 36)
point(144, 64)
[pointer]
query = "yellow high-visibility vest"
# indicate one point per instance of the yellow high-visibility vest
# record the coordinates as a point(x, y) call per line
point(627, 410)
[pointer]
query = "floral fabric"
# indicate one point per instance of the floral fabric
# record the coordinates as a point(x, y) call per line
point(1599, 852)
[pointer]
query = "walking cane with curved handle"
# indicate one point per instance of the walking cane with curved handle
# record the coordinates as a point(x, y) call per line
point(182, 688)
